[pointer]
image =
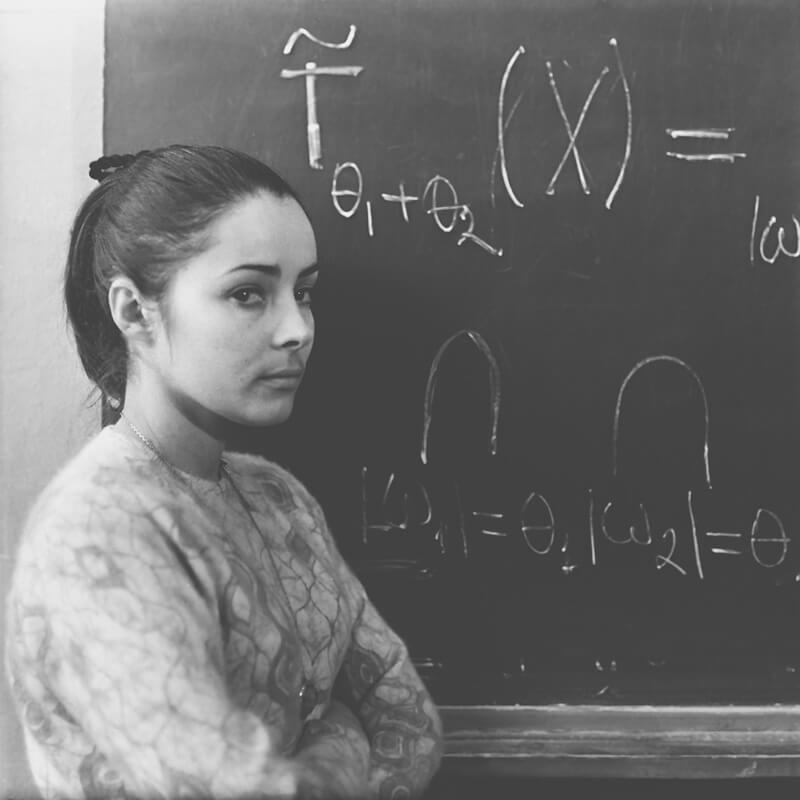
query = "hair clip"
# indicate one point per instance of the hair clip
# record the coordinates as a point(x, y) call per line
point(105, 166)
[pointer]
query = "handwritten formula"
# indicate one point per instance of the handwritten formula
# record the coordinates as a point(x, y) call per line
point(394, 503)
point(438, 198)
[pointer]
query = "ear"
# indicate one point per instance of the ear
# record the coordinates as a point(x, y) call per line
point(132, 314)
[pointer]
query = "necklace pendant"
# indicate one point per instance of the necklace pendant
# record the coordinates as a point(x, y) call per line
point(309, 701)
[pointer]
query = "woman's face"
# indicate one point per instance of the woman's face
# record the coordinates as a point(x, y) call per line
point(236, 324)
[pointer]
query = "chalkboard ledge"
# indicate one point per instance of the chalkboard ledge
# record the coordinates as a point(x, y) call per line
point(577, 741)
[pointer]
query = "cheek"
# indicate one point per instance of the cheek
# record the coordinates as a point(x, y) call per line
point(206, 351)
point(234, 356)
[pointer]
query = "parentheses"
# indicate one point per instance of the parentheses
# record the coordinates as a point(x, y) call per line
point(501, 127)
point(629, 127)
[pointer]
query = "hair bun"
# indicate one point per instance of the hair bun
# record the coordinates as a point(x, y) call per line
point(105, 166)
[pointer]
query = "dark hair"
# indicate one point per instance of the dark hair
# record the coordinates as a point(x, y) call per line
point(150, 212)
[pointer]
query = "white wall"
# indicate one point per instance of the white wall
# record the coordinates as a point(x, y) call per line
point(51, 107)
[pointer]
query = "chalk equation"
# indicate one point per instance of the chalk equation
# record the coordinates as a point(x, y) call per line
point(772, 242)
point(394, 503)
point(439, 199)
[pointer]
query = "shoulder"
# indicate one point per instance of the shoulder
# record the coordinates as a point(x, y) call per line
point(109, 467)
point(113, 521)
point(100, 498)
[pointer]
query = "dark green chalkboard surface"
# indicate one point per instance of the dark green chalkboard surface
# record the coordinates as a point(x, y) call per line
point(552, 410)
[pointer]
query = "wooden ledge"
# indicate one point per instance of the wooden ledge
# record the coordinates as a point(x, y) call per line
point(581, 741)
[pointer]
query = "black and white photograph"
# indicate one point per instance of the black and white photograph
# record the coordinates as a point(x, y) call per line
point(400, 399)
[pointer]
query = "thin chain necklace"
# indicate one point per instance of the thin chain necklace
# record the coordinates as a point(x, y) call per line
point(307, 694)
point(148, 443)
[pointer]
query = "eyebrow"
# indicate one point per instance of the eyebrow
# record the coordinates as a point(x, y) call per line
point(274, 271)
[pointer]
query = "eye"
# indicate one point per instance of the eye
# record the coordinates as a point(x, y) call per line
point(304, 295)
point(247, 295)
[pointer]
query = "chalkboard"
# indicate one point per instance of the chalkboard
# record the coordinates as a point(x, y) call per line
point(552, 410)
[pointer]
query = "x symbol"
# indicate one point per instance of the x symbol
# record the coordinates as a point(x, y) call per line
point(572, 134)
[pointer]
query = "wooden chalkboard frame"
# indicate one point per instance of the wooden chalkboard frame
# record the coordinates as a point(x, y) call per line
point(632, 741)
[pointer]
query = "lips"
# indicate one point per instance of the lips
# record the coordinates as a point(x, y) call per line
point(294, 374)
point(282, 378)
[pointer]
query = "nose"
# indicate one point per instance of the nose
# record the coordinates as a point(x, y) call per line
point(294, 325)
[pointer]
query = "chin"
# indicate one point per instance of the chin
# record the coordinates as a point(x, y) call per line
point(275, 414)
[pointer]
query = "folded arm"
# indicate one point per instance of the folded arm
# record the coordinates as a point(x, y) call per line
point(333, 757)
point(395, 709)
point(378, 682)
point(382, 738)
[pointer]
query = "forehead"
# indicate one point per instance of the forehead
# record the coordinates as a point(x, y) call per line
point(264, 229)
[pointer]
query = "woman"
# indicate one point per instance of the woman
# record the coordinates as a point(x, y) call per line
point(180, 620)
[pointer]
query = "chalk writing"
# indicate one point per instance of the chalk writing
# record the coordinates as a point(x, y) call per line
point(567, 567)
point(725, 551)
point(756, 540)
point(461, 528)
point(490, 517)
point(457, 210)
point(402, 198)
point(780, 247)
point(437, 208)
point(641, 365)
point(402, 506)
point(643, 528)
point(667, 560)
point(545, 528)
point(410, 508)
point(502, 125)
point(370, 226)
point(427, 664)
point(494, 389)
point(728, 158)
point(466, 214)
point(313, 131)
point(695, 540)
point(639, 534)
point(503, 122)
point(774, 240)
point(356, 193)
point(572, 135)
point(445, 215)
point(614, 521)
point(699, 133)
point(395, 506)
point(628, 126)
point(703, 133)
point(343, 45)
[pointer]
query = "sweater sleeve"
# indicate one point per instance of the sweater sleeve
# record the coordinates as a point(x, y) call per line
point(394, 707)
point(380, 684)
point(134, 654)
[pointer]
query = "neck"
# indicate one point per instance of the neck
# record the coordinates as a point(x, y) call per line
point(180, 440)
